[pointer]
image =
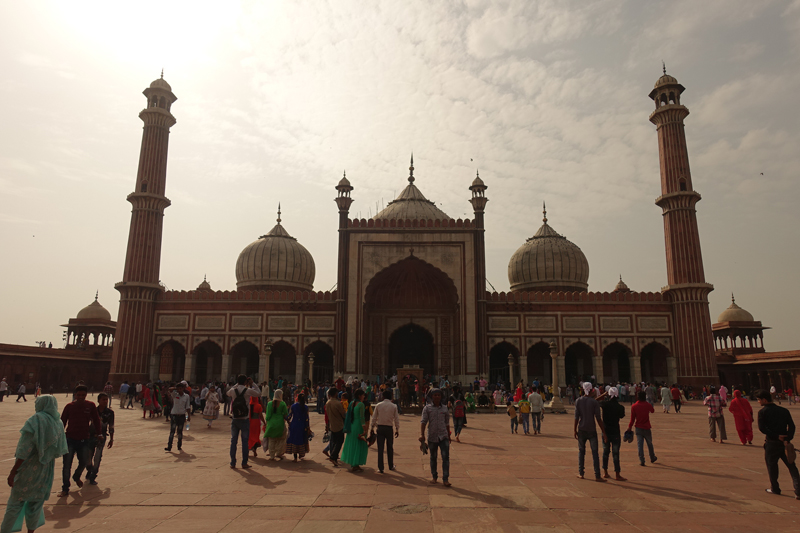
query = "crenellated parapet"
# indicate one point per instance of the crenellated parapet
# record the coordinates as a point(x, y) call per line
point(378, 223)
point(578, 297)
point(265, 296)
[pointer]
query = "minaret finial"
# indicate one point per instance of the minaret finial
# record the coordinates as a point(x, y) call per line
point(544, 212)
point(162, 73)
point(733, 300)
point(663, 67)
point(279, 212)
point(620, 277)
point(204, 277)
point(477, 173)
point(96, 295)
point(411, 169)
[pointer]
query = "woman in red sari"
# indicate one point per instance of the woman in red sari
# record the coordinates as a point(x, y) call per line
point(256, 420)
point(743, 416)
point(518, 393)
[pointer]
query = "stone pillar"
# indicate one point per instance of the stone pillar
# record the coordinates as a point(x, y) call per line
point(672, 370)
point(562, 370)
point(263, 361)
point(597, 368)
point(298, 369)
point(188, 371)
point(511, 372)
point(226, 367)
point(636, 369)
point(555, 405)
point(155, 365)
point(523, 368)
point(311, 369)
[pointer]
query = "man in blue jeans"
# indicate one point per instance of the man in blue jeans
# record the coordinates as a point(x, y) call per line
point(587, 411)
point(437, 419)
point(76, 417)
point(240, 395)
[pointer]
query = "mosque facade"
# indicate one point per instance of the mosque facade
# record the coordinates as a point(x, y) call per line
point(411, 292)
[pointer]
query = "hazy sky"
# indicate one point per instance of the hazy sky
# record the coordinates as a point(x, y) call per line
point(275, 99)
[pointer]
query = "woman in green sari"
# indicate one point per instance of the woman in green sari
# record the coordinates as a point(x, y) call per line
point(354, 452)
point(31, 477)
point(276, 426)
point(470, 399)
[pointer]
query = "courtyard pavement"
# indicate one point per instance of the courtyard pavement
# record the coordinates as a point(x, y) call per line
point(501, 482)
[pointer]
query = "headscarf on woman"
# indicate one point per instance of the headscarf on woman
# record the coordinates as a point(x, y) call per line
point(742, 416)
point(41, 441)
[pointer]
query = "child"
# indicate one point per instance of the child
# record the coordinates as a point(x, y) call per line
point(512, 414)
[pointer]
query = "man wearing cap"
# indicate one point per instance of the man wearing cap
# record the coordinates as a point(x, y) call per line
point(587, 411)
point(613, 411)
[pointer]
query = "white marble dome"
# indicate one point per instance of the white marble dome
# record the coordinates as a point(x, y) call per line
point(94, 311)
point(734, 313)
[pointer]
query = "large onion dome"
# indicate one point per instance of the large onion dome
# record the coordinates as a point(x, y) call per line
point(734, 313)
point(94, 311)
point(275, 261)
point(548, 262)
point(411, 204)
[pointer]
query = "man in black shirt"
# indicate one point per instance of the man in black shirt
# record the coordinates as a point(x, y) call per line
point(776, 423)
point(613, 411)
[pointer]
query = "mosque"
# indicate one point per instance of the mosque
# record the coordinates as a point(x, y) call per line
point(411, 293)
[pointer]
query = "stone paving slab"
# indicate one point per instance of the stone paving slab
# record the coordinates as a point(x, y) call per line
point(501, 482)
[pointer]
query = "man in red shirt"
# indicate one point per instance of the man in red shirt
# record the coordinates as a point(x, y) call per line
point(640, 417)
point(76, 418)
point(675, 392)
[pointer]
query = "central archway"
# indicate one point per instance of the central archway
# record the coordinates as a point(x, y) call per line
point(498, 362)
point(411, 345)
point(578, 363)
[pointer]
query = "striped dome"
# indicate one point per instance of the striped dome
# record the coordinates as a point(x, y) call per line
point(275, 261)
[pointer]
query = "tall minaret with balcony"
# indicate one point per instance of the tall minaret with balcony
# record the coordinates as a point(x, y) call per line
point(687, 287)
point(343, 201)
point(139, 287)
point(478, 202)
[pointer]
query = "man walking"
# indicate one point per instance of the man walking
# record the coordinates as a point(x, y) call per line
point(537, 405)
point(778, 427)
point(21, 392)
point(613, 411)
point(123, 394)
point(715, 405)
point(436, 418)
point(240, 395)
point(383, 418)
point(180, 412)
point(640, 418)
point(587, 412)
point(97, 439)
point(335, 415)
point(109, 389)
point(76, 417)
point(675, 393)
point(3, 389)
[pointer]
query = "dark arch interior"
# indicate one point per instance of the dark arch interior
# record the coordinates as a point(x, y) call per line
point(498, 361)
point(208, 361)
point(654, 363)
point(244, 360)
point(172, 360)
point(283, 361)
point(578, 363)
point(616, 363)
point(323, 361)
point(411, 345)
point(540, 365)
point(411, 284)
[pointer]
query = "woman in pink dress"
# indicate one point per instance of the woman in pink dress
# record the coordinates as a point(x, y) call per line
point(743, 416)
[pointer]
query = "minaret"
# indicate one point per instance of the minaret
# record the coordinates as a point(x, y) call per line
point(478, 202)
point(343, 201)
point(687, 287)
point(139, 287)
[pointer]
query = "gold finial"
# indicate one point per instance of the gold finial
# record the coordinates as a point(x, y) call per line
point(279, 212)
point(544, 212)
point(411, 169)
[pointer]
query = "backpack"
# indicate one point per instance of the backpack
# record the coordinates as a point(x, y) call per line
point(458, 409)
point(239, 407)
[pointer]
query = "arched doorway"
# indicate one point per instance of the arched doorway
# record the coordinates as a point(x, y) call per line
point(498, 363)
point(578, 363)
point(540, 365)
point(244, 359)
point(207, 361)
point(616, 364)
point(654, 363)
point(171, 361)
point(283, 361)
point(410, 290)
point(411, 345)
point(323, 361)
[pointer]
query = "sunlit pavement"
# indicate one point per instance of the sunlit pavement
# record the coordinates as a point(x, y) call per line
point(501, 482)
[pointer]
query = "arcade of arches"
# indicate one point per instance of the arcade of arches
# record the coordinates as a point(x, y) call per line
point(411, 318)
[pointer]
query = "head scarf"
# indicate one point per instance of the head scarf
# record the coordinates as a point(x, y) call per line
point(46, 429)
point(737, 394)
point(613, 392)
point(278, 395)
point(587, 388)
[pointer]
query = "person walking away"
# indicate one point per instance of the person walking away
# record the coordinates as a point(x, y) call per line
point(772, 390)
point(650, 392)
point(525, 414)
point(41, 441)
point(778, 428)
point(299, 427)
point(666, 398)
point(276, 426)
point(613, 412)
point(675, 394)
point(123, 394)
point(459, 412)
point(334, 423)
point(436, 418)
point(715, 415)
point(21, 392)
point(3, 389)
point(354, 451)
point(640, 419)
point(537, 406)
point(383, 419)
point(743, 417)
point(76, 418)
point(97, 439)
point(587, 412)
point(211, 410)
point(181, 412)
point(240, 395)
point(256, 423)
point(109, 389)
point(512, 414)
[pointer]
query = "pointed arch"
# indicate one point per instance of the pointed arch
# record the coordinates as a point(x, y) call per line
point(578, 362)
point(244, 359)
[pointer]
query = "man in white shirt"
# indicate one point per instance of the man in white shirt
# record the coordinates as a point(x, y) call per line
point(181, 411)
point(537, 403)
point(3, 389)
point(240, 395)
point(385, 416)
